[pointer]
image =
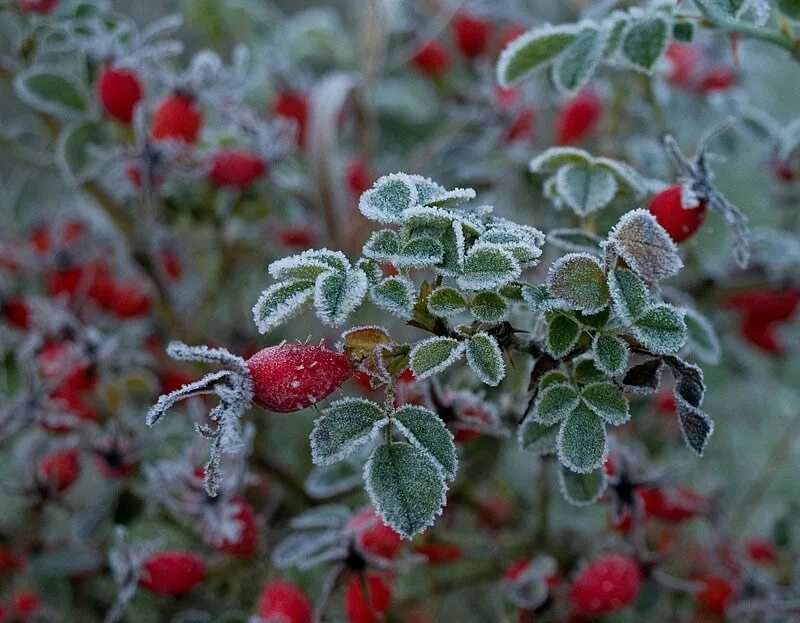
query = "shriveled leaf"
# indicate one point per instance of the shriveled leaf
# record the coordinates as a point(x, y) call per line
point(486, 359)
point(608, 402)
point(343, 427)
point(360, 342)
point(582, 489)
point(645, 246)
point(426, 430)
point(562, 335)
point(696, 426)
point(579, 281)
point(661, 329)
point(555, 402)
point(610, 353)
point(280, 302)
point(582, 443)
point(643, 378)
point(433, 355)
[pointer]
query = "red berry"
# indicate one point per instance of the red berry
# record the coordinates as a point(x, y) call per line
point(510, 34)
point(762, 336)
point(440, 553)
point(471, 34)
point(784, 170)
point(17, 313)
point(119, 91)
point(764, 307)
point(577, 118)
point(680, 223)
point(760, 550)
point(610, 583)
point(718, 79)
point(9, 561)
point(516, 568)
point(673, 504)
point(245, 546)
point(171, 263)
point(716, 595)
point(72, 403)
point(476, 414)
point(291, 377)
point(131, 300)
point(41, 241)
point(358, 609)
point(683, 59)
point(100, 285)
point(283, 602)
point(56, 363)
point(72, 231)
point(293, 106)
point(522, 127)
point(431, 59)
point(172, 573)
point(59, 470)
point(299, 236)
point(357, 177)
point(374, 536)
point(41, 7)
point(236, 168)
point(177, 118)
point(25, 604)
point(665, 403)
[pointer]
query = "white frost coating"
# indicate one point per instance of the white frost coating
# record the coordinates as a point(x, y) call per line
point(351, 445)
point(386, 214)
point(184, 352)
point(567, 461)
point(475, 276)
point(562, 485)
point(589, 68)
point(433, 193)
point(283, 312)
point(350, 296)
point(709, 352)
point(645, 246)
point(384, 299)
point(484, 345)
point(322, 259)
point(555, 157)
point(601, 361)
point(662, 341)
point(196, 388)
point(455, 354)
point(570, 298)
point(599, 190)
point(450, 474)
point(637, 15)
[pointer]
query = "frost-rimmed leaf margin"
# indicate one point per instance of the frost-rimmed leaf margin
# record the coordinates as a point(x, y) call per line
point(456, 352)
point(483, 354)
point(371, 415)
point(560, 36)
point(280, 302)
point(403, 418)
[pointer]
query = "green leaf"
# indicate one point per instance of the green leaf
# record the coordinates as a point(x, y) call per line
point(585, 189)
point(420, 253)
point(574, 240)
point(645, 42)
point(446, 302)
point(645, 246)
point(388, 198)
point(343, 427)
point(575, 65)
point(629, 295)
point(396, 295)
point(537, 297)
point(309, 264)
point(486, 359)
point(75, 159)
point(452, 241)
point(426, 430)
point(582, 489)
point(702, 338)
point(554, 403)
point(579, 281)
point(610, 353)
point(280, 302)
point(562, 335)
point(537, 438)
point(51, 92)
point(433, 355)
point(405, 486)
point(661, 329)
point(582, 443)
point(383, 246)
point(487, 267)
point(534, 49)
point(587, 372)
point(336, 295)
point(554, 376)
point(489, 307)
point(790, 8)
point(608, 402)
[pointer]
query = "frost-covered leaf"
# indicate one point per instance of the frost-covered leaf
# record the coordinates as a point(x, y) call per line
point(610, 353)
point(554, 158)
point(343, 427)
point(574, 67)
point(579, 281)
point(51, 92)
point(327, 481)
point(582, 443)
point(486, 359)
point(280, 302)
point(587, 372)
point(334, 516)
point(453, 251)
point(360, 342)
point(645, 41)
point(523, 242)
point(487, 267)
point(555, 402)
point(429, 193)
point(446, 302)
point(702, 338)
point(433, 355)
point(489, 307)
point(608, 402)
point(336, 295)
point(297, 548)
point(383, 246)
point(536, 48)
point(574, 240)
point(537, 297)
point(74, 150)
point(629, 296)
point(309, 264)
point(582, 489)
point(645, 246)
point(406, 487)
point(661, 329)
point(552, 377)
point(615, 25)
point(696, 426)
point(396, 295)
point(585, 189)
point(537, 438)
point(388, 197)
point(424, 429)
point(420, 253)
point(689, 383)
point(790, 8)
point(562, 335)
point(643, 378)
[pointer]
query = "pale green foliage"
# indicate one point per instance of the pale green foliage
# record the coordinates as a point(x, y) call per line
point(661, 329)
point(582, 443)
point(486, 359)
point(433, 355)
point(343, 427)
point(578, 280)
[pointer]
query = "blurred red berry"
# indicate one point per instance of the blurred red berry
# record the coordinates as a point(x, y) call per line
point(235, 168)
point(760, 550)
point(296, 236)
point(762, 336)
point(665, 403)
point(9, 561)
point(293, 106)
point(41, 241)
point(119, 90)
point(679, 222)
point(41, 7)
point(683, 59)
point(131, 300)
point(718, 79)
point(440, 553)
point(764, 306)
point(471, 34)
point(363, 609)
point(177, 118)
point(25, 604)
point(674, 504)
point(17, 313)
point(172, 573)
point(522, 128)
point(431, 59)
point(577, 118)
point(357, 177)
point(290, 377)
point(172, 264)
point(374, 536)
point(247, 543)
point(716, 595)
point(610, 583)
point(784, 170)
point(59, 470)
point(283, 602)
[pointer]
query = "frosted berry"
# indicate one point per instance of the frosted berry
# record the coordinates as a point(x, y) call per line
point(577, 118)
point(610, 583)
point(119, 90)
point(363, 609)
point(673, 504)
point(59, 470)
point(431, 59)
point(41, 7)
point(471, 34)
point(284, 602)
point(373, 536)
point(172, 573)
point(293, 106)
point(245, 546)
point(679, 222)
point(291, 377)
point(177, 118)
point(716, 594)
point(235, 168)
